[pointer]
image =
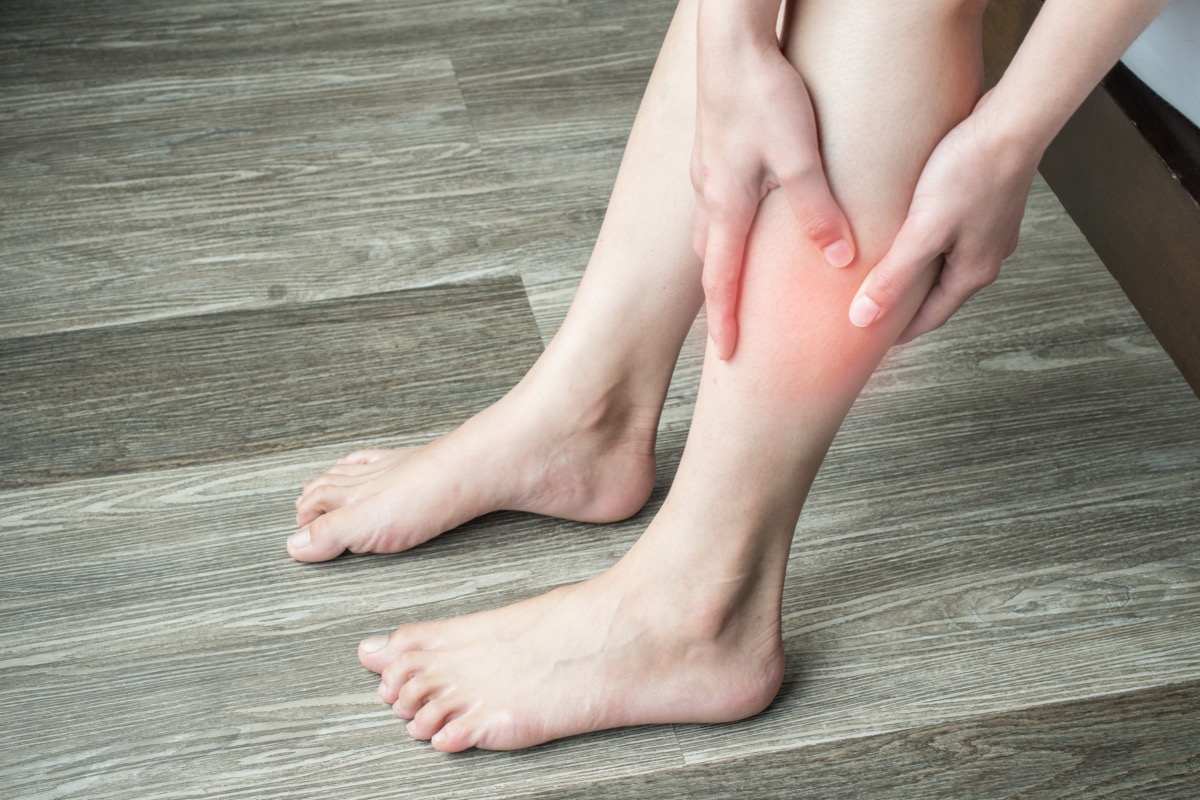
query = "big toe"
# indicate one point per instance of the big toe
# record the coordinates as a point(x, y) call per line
point(312, 544)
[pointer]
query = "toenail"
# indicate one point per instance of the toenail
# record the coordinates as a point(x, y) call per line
point(410, 727)
point(373, 644)
point(299, 539)
point(383, 689)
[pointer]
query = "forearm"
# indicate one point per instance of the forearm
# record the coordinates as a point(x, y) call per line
point(1070, 47)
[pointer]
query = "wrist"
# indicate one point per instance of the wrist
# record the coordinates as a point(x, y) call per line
point(735, 25)
point(1016, 132)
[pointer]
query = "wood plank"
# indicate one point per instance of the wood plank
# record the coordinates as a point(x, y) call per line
point(565, 89)
point(1138, 744)
point(222, 386)
point(163, 160)
point(92, 44)
point(176, 194)
point(156, 641)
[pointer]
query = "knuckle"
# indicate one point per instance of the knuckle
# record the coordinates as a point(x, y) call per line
point(984, 277)
point(721, 205)
point(818, 226)
point(797, 171)
point(886, 286)
point(715, 285)
point(727, 199)
point(316, 528)
point(696, 172)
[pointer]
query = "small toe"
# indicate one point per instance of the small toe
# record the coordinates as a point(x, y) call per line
point(430, 719)
point(361, 457)
point(413, 695)
point(401, 666)
point(455, 736)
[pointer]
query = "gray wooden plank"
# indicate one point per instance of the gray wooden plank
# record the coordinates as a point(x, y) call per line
point(163, 159)
point(47, 40)
point(156, 641)
point(1141, 744)
point(169, 194)
point(221, 386)
point(568, 87)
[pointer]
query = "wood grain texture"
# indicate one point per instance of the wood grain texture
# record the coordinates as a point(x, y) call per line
point(1140, 744)
point(1009, 519)
point(163, 159)
point(157, 641)
point(220, 386)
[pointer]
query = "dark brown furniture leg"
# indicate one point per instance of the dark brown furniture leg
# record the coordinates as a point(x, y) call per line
point(1129, 176)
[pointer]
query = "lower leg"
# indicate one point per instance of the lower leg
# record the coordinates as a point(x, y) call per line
point(685, 628)
point(575, 439)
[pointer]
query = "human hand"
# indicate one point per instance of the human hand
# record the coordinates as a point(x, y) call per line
point(755, 131)
point(967, 206)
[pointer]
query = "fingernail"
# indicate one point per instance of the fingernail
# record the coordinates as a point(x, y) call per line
point(839, 254)
point(863, 311)
point(722, 355)
point(374, 644)
point(299, 539)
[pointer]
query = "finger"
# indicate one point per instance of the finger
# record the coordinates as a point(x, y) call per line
point(699, 229)
point(820, 217)
point(894, 275)
point(723, 254)
point(957, 285)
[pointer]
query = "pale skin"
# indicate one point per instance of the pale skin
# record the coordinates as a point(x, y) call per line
point(686, 626)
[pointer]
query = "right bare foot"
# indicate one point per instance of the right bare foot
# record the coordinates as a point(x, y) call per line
point(539, 449)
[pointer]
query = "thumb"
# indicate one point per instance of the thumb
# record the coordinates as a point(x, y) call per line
point(891, 278)
point(820, 216)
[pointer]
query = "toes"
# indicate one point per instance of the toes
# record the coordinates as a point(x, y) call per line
point(321, 499)
point(430, 718)
point(361, 457)
point(374, 653)
point(321, 539)
point(378, 653)
point(455, 736)
point(413, 695)
point(402, 667)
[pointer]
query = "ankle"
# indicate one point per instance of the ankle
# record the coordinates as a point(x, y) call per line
point(711, 596)
point(610, 407)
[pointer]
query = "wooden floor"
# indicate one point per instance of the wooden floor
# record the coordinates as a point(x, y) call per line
point(239, 239)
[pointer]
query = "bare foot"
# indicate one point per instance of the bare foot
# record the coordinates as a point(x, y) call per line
point(539, 449)
point(631, 646)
